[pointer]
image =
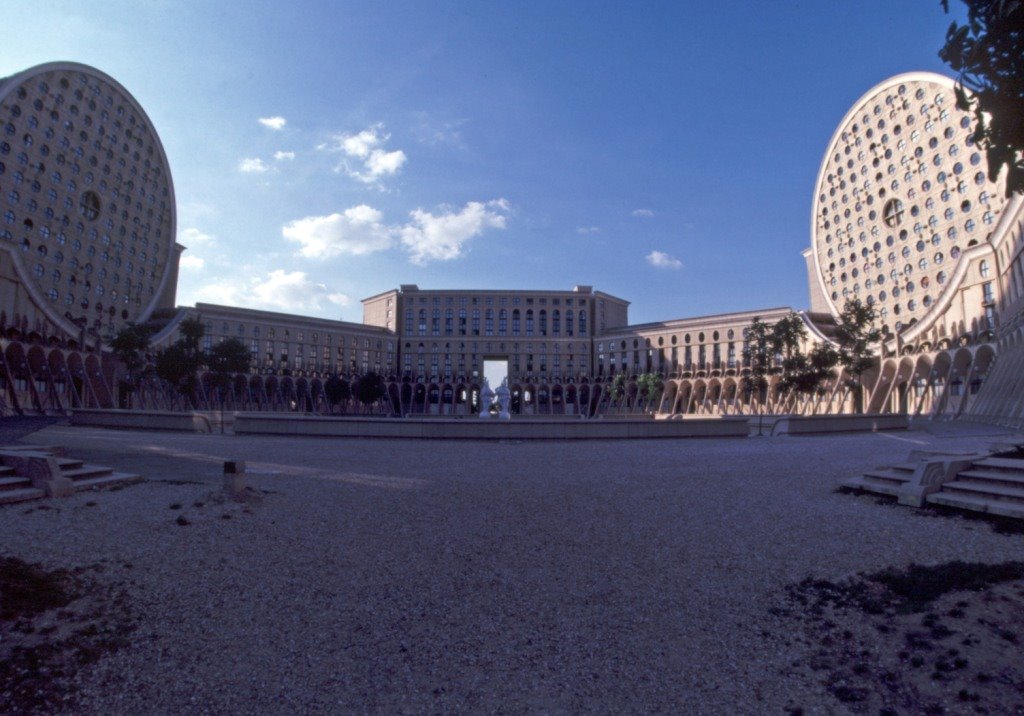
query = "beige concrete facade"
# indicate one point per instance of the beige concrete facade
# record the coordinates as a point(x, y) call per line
point(903, 217)
point(87, 213)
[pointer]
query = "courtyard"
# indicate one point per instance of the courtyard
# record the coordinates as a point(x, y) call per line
point(429, 576)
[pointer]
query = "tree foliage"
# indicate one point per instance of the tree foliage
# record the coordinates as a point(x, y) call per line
point(616, 387)
point(370, 388)
point(130, 346)
point(179, 363)
point(338, 390)
point(757, 357)
point(855, 335)
point(801, 373)
point(988, 54)
point(176, 365)
point(225, 360)
point(650, 386)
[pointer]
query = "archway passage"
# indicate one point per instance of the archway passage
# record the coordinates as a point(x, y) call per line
point(495, 370)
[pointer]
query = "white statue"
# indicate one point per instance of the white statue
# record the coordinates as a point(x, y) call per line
point(504, 400)
point(486, 398)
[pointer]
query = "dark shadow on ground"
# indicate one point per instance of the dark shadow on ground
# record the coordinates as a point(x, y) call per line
point(14, 428)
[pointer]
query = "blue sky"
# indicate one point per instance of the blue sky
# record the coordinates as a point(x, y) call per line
point(323, 152)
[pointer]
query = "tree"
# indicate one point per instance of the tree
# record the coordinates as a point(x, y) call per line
point(176, 366)
point(616, 387)
point(650, 386)
point(337, 390)
point(179, 362)
point(786, 340)
point(802, 373)
point(130, 346)
point(988, 54)
point(855, 335)
point(226, 360)
point(757, 357)
point(369, 389)
point(191, 332)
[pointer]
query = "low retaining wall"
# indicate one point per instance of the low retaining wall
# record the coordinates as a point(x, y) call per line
point(142, 420)
point(469, 428)
point(810, 424)
point(477, 429)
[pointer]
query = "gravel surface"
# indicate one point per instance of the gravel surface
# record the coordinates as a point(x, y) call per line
point(429, 576)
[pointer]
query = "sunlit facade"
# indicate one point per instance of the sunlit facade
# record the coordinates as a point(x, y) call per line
point(904, 217)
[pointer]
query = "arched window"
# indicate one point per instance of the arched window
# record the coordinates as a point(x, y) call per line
point(529, 321)
point(543, 322)
point(515, 322)
point(583, 323)
point(556, 322)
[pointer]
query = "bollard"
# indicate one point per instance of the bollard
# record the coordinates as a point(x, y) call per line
point(234, 477)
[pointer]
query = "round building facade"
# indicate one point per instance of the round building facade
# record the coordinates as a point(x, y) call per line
point(901, 194)
point(87, 210)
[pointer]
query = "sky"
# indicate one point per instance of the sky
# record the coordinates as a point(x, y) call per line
point(324, 152)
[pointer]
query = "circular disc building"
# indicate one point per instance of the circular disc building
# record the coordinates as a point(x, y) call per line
point(87, 212)
point(902, 193)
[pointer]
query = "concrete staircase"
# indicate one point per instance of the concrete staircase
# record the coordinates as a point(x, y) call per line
point(16, 488)
point(993, 484)
point(883, 481)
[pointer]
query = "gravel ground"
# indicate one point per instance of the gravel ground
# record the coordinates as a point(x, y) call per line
point(437, 576)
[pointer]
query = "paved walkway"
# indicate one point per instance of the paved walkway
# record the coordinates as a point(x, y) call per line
point(419, 576)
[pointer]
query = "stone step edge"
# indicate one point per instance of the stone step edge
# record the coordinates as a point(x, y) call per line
point(977, 504)
point(26, 493)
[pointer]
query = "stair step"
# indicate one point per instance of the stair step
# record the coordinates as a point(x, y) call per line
point(14, 481)
point(109, 480)
point(67, 463)
point(995, 475)
point(977, 503)
point(889, 476)
point(6, 470)
point(86, 471)
point(25, 493)
point(1004, 463)
point(997, 492)
point(880, 488)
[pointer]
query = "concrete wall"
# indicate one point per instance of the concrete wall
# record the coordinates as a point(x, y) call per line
point(806, 425)
point(142, 420)
point(477, 429)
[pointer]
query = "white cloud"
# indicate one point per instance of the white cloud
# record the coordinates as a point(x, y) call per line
point(380, 163)
point(252, 166)
point(275, 123)
point(660, 259)
point(192, 236)
point(282, 156)
point(588, 229)
point(645, 213)
point(278, 290)
point(191, 262)
point(357, 231)
point(359, 145)
point(428, 237)
point(368, 147)
point(294, 290)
